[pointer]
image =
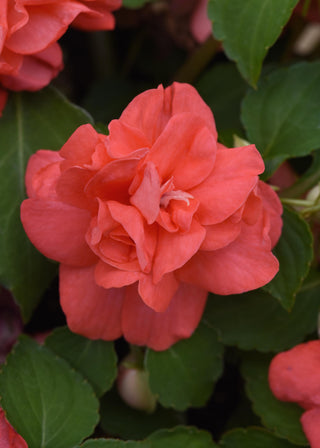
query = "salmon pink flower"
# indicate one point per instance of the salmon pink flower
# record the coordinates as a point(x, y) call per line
point(147, 220)
point(294, 376)
point(29, 29)
point(9, 438)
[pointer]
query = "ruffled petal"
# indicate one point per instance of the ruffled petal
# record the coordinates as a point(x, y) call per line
point(58, 231)
point(143, 236)
point(273, 209)
point(245, 264)
point(184, 151)
point(176, 249)
point(80, 146)
point(99, 16)
point(233, 177)
point(45, 25)
point(144, 326)
point(109, 277)
point(147, 196)
point(70, 188)
point(92, 311)
point(36, 71)
point(220, 235)
point(42, 174)
point(158, 296)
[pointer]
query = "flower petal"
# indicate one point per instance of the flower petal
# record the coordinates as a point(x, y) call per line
point(245, 264)
point(147, 196)
point(36, 182)
point(144, 326)
point(92, 311)
point(233, 177)
point(220, 235)
point(109, 277)
point(175, 249)
point(80, 146)
point(310, 421)
point(58, 230)
point(185, 151)
point(294, 375)
point(158, 296)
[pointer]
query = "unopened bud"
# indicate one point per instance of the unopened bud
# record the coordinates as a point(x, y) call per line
point(133, 387)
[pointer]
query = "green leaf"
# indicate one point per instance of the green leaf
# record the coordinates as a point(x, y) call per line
point(95, 360)
point(247, 30)
point(280, 417)
point(223, 89)
point(31, 121)
point(118, 419)
point(260, 323)
point(282, 116)
point(295, 253)
point(182, 376)
point(179, 437)
point(47, 402)
point(252, 438)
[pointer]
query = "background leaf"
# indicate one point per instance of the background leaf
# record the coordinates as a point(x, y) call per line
point(295, 253)
point(282, 116)
point(252, 438)
point(118, 419)
point(256, 320)
point(47, 402)
point(248, 29)
point(31, 121)
point(95, 360)
point(280, 417)
point(182, 376)
point(179, 437)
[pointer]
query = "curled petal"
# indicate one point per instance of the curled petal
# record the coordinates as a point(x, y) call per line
point(92, 311)
point(109, 277)
point(226, 189)
point(144, 326)
point(37, 165)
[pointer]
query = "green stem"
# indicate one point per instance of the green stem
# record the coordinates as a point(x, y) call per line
point(197, 61)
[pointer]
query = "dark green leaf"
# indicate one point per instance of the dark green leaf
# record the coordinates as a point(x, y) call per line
point(248, 29)
point(47, 402)
point(282, 116)
point(281, 418)
point(259, 322)
point(252, 438)
point(31, 121)
point(182, 376)
point(179, 437)
point(118, 419)
point(95, 360)
point(294, 252)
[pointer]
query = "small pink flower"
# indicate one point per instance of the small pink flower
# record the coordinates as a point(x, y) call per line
point(294, 376)
point(147, 220)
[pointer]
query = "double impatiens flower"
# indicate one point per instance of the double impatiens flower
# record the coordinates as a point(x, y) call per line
point(295, 376)
point(147, 220)
point(30, 56)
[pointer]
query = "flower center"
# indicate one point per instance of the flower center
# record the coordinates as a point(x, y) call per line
point(177, 195)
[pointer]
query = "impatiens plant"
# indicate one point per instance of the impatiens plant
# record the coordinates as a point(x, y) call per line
point(159, 224)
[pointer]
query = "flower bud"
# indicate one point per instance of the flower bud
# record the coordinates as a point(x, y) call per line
point(133, 386)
